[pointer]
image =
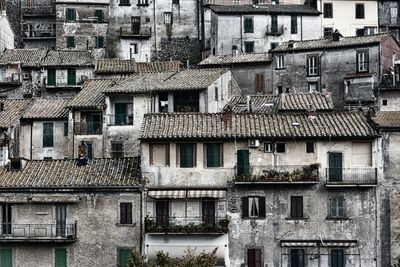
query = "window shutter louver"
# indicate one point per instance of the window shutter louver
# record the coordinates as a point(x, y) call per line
point(245, 207)
point(262, 207)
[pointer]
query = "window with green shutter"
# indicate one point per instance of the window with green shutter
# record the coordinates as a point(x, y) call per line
point(248, 25)
point(51, 77)
point(47, 134)
point(60, 257)
point(70, 14)
point(214, 155)
point(99, 41)
point(337, 258)
point(337, 207)
point(99, 14)
point(123, 256)
point(243, 164)
point(6, 258)
point(70, 42)
point(71, 77)
point(187, 154)
point(293, 27)
point(274, 23)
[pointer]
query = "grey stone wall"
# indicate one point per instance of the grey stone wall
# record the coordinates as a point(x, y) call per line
point(180, 49)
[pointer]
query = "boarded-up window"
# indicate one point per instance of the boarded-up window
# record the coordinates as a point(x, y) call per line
point(259, 82)
point(159, 154)
point(361, 154)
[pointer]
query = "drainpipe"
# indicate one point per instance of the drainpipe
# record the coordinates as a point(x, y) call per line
point(320, 70)
point(241, 34)
point(30, 156)
point(301, 24)
point(155, 28)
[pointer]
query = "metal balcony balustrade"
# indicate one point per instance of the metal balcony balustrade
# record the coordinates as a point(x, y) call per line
point(38, 34)
point(120, 119)
point(10, 232)
point(129, 32)
point(278, 174)
point(88, 128)
point(64, 82)
point(278, 30)
point(363, 176)
point(11, 79)
point(38, 10)
point(199, 224)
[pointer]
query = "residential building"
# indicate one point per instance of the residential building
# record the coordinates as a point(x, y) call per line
point(260, 28)
point(388, 17)
point(38, 23)
point(352, 69)
point(62, 212)
point(350, 18)
point(6, 32)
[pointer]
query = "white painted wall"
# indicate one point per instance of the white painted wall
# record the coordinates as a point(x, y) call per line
point(6, 33)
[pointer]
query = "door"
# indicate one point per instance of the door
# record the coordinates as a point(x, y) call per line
point(243, 167)
point(162, 212)
point(6, 258)
point(208, 212)
point(135, 25)
point(335, 167)
point(120, 113)
point(60, 257)
point(61, 220)
point(6, 219)
point(254, 257)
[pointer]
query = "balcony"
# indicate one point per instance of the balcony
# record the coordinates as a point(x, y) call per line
point(351, 177)
point(38, 233)
point(275, 31)
point(187, 225)
point(63, 82)
point(142, 33)
point(88, 128)
point(120, 119)
point(11, 79)
point(38, 11)
point(278, 174)
point(39, 34)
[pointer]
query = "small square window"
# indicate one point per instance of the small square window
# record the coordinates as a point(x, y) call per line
point(328, 31)
point(274, 45)
point(248, 47)
point(124, 3)
point(280, 147)
point(167, 17)
point(384, 102)
point(268, 148)
point(310, 147)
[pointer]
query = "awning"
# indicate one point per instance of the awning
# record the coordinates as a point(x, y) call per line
point(167, 194)
point(206, 193)
point(339, 243)
point(50, 198)
point(187, 193)
point(298, 244)
point(13, 198)
point(322, 243)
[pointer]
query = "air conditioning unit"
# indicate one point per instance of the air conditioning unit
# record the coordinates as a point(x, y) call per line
point(254, 143)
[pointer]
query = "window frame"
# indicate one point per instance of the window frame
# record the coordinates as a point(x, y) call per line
point(70, 14)
point(123, 250)
point(142, 3)
point(254, 199)
point(280, 62)
point(99, 41)
point(293, 24)
point(71, 77)
point(125, 213)
point(168, 19)
point(362, 65)
point(362, 14)
point(260, 82)
point(296, 209)
point(65, 128)
point(248, 24)
point(310, 147)
point(124, 3)
point(194, 155)
point(313, 65)
point(119, 152)
point(302, 255)
point(337, 207)
point(255, 251)
point(99, 13)
point(245, 207)
point(167, 154)
point(280, 144)
point(342, 254)
point(221, 154)
point(70, 41)
point(46, 136)
point(248, 47)
point(328, 32)
point(328, 12)
point(270, 147)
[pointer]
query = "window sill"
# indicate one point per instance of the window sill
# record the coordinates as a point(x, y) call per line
point(296, 219)
point(124, 4)
point(125, 225)
point(337, 218)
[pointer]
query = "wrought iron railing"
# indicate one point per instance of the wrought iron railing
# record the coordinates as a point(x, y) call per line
point(38, 10)
point(199, 224)
point(278, 30)
point(128, 31)
point(39, 34)
point(14, 78)
point(357, 176)
point(11, 231)
point(120, 119)
point(86, 128)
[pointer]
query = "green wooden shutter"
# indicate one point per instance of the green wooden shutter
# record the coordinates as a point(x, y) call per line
point(70, 41)
point(248, 25)
point(99, 41)
point(186, 155)
point(274, 23)
point(293, 28)
point(71, 77)
point(60, 257)
point(337, 258)
point(99, 14)
point(71, 15)
point(51, 77)
point(335, 167)
point(120, 113)
point(6, 257)
point(213, 155)
point(123, 257)
point(340, 206)
point(243, 166)
point(47, 134)
point(245, 207)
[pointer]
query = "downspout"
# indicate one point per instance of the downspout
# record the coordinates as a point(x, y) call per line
point(73, 134)
point(241, 34)
point(203, 37)
point(301, 24)
point(320, 70)
point(155, 29)
point(30, 156)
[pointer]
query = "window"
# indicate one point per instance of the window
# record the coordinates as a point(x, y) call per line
point(216, 93)
point(310, 147)
point(268, 148)
point(90, 123)
point(274, 23)
point(328, 10)
point(186, 102)
point(296, 207)
point(167, 17)
point(214, 155)
point(253, 207)
point(312, 65)
point(187, 155)
point(71, 77)
point(47, 158)
point(6, 258)
point(359, 32)
point(6, 216)
point(51, 77)
point(274, 45)
point(163, 102)
point(123, 256)
point(248, 25)
point(360, 12)
point(337, 258)
point(248, 47)
point(99, 41)
point(313, 87)
point(60, 257)
point(159, 154)
point(362, 61)
point(280, 89)
point(369, 30)
point(384, 102)
point(133, 50)
point(98, 13)
point(337, 207)
point(70, 42)
point(47, 134)
point(89, 151)
point(254, 257)
point(125, 213)
point(124, 3)
point(328, 32)
point(297, 258)
point(175, 2)
point(117, 150)
point(66, 128)
point(70, 14)
point(260, 78)
point(123, 114)
point(143, 3)
point(293, 27)
point(280, 147)
point(279, 61)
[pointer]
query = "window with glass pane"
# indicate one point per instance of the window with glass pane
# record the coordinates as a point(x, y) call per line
point(187, 155)
point(297, 258)
point(337, 258)
point(254, 207)
point(362, 61)
point(328, 10)
point(125, 213)
point(71, 77)
point(293, 28)
point(274, 23)
point(47, 134)
point(248, 25)
point(279, 61)
point(70, 14)
point(337, 207)
point(248, 47)
point(312, 65)
point(214, 157)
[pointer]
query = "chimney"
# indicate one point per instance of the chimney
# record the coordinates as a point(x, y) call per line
point(336, 36)
point(248, 103)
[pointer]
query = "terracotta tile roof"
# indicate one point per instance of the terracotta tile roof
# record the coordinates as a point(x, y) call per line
point(389, 119)
point(66, 173)
point(115, 65)
point(241, 58)
point(91, 95)
point(281, 9)
point(27, 57)
point(329, 43)
point(259, 103)
point(250, 125)
point(158, 66)
point(48, 108)
point(13, 110)
point(188, 79)
point(68, 58)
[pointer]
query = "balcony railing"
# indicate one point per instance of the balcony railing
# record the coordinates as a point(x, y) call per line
point(351, 177)
point(128, 32)
point(200, 224)
point(120, 119)
point(278, 174)
point(63, 82)
point(12, 79)
point(88, 128)
point(10, 232)
point(39, 34)
point(39, 10)
point(278, 30)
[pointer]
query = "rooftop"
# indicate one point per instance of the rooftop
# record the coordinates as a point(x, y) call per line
point(250, 125)
point(241, 58)
point(12, 111)
point(110, 66)
point(68, 58)
point(27, 57)
point(387, 119)
point(123, 172)
point(48, 108)
point(281, 9)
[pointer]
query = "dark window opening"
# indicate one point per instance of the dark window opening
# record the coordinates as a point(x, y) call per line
point(328, 32)
point(254, 258)
point(328, 10)
point(98, 13)
point(117, 150)
point(280, 147)
point(248, 47)
point(186, 102)
point(187, 155)
point(384, 102)
point(99, 41)
point(296, 207)
point(297, 258)
point(360, 12)
point(214, 155)
point(90, 123)
point(124, 3)
point(293, 27)
point(337, 258)
point(310, 147)
point(70, 14)
point(125, 213)
point(48, 134)
point(71, 77)
point(260, 82)
point(163, 102)
point(248, 25)
point(70, 42)
point(253, 207)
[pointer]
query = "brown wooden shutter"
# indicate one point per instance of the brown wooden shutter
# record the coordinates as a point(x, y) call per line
point(122, 213)
point(296, 207)
point(257, 256)
point(129, 213)
point(262, 207)
point(251, 257)
point(257, 82)
point(245, 207)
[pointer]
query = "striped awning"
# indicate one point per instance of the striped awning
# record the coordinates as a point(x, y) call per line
point(322, 243)
point(298, 244)
point(339, 243)
point(187, 193)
